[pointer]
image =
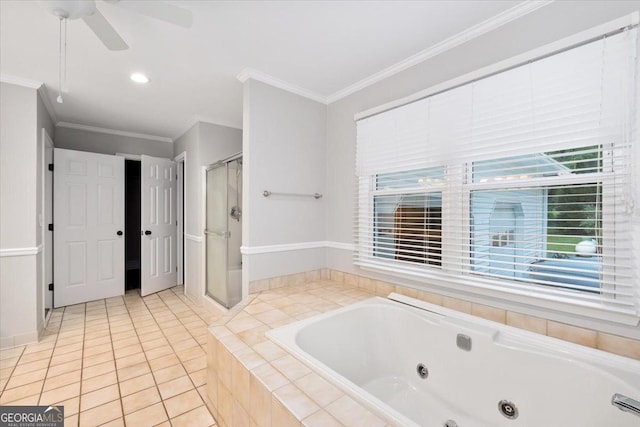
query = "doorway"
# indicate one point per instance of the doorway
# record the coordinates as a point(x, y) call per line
point(132, 224)
point(104, 245)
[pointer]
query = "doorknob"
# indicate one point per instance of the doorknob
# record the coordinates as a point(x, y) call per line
point(119, 233)
point(147, 232)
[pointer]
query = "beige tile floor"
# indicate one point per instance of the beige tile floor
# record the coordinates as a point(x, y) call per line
point(121, 361)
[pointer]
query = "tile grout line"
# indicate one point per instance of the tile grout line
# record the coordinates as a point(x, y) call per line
point(13, 368)
point(115, 360)
point(174, 351)
point(168, 343)
point(135, 330)
point(155, 382)
point(171, 304)
point(189, 306)
point(55, 345)
point(115, 367)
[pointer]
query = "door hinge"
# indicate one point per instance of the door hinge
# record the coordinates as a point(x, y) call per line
point(50, 286)
point(51, 167)
point(50, 227)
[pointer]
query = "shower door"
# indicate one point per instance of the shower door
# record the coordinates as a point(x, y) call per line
point(217, 234)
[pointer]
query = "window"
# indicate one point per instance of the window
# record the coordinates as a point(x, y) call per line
point(538, 218)
point(408, 216)
point(519, 184)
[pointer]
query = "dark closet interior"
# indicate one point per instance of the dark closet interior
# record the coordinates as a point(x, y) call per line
point(132, 223)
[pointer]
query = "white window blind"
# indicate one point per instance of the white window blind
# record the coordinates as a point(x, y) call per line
point(520, 182)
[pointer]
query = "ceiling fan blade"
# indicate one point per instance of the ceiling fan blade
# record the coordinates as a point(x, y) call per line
point(159, 10)
point(105, 32)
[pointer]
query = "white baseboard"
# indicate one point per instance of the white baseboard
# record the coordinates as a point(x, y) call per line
point(17, 340)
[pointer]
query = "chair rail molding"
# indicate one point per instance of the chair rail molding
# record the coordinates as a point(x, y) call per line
point(194, 238)
point(266, 249)
point(12, 252)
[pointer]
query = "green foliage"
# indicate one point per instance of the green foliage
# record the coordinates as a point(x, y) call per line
point(574, 210)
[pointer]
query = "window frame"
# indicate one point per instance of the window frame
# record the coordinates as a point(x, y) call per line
point(461, 275)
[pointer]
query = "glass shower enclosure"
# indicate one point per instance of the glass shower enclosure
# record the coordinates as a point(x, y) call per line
point(223, 231)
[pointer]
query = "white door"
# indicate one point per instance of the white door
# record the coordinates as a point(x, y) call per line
point(158, 225)
point(88, 218)
point(47, 207)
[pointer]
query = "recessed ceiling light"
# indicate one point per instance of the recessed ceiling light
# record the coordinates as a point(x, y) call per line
point(139, 78)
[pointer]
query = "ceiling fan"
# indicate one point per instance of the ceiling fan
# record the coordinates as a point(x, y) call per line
point(89, 13)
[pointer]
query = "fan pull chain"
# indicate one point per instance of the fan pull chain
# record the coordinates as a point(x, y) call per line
point(62, 59)
point(59, 99)
point(64, 79)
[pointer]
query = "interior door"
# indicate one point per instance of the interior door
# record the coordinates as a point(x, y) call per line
point(159, 228)
point(88, 223)
point(47, 250)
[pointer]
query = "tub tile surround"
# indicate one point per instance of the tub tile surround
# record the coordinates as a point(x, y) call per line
point(253, 382)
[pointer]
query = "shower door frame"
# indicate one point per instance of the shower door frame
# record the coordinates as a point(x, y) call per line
point(220, 163)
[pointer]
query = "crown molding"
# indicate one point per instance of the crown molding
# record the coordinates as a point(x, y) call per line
point(477, 30)
point(114, 132)
point(201, 119)
point(515, 61)
point(20, 81)
point(42, 90)
point(250, 73)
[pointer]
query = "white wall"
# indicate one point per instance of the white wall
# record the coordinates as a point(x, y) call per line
point(204, 143)
point(22, 115)
point(546, 25)
point(105, 143)
point(284, 151)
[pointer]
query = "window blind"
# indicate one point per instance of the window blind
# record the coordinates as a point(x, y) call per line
point(520, 182)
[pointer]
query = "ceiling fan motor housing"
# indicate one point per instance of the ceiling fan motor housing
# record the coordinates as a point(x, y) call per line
point(70, 9)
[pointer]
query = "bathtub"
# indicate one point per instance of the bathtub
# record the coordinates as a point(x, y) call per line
point(431, 366)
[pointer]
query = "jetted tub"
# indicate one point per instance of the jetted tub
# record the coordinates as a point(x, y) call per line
point(377, 350)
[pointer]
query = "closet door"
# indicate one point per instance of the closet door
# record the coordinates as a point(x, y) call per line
point(159, 227)
point(88, 217)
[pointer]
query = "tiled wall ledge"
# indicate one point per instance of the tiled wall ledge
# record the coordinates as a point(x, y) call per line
point(253, 382)
point(590, 338)
point(288, 280)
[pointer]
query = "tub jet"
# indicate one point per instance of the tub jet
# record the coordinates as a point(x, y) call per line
point(422, 370)
point(508, 409)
